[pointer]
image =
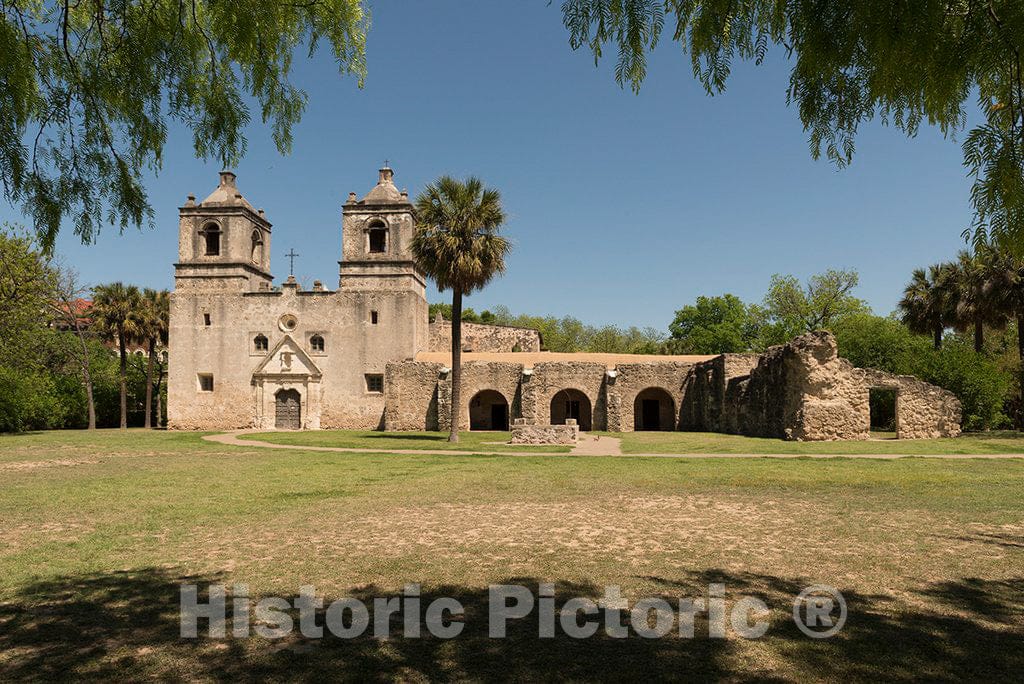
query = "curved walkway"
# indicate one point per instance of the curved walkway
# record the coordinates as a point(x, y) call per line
point(596, 445)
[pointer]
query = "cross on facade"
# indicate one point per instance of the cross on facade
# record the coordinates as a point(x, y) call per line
point(291, 261)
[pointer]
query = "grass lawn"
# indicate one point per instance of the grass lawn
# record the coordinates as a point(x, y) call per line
point(366, 439)
point(99, 531)
point(715, 443)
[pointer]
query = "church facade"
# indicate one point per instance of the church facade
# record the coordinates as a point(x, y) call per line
point(244, 353)
point(247, 354)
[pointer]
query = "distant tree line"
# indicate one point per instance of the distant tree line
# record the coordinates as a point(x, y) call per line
point(65, 361)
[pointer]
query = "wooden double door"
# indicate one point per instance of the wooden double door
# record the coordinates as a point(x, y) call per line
point(288, 414)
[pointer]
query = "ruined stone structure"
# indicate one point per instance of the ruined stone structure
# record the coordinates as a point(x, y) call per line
point(565, 433)
point(477, 337)
point(245, 353)
point(804, 391)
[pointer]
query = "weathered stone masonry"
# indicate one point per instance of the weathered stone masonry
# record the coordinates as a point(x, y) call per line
point(798, 391)
point(804, 391)
point(244, 353)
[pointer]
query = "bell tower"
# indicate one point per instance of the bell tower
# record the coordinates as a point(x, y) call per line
point(223, 242)
point(376, 240)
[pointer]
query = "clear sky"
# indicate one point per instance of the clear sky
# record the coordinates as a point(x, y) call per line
point(622, 207)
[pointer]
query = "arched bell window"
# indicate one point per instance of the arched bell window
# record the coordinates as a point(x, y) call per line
point(316, 343)
point(378, 237)
point(211, 239)
point(257, 247)
point(260, 343)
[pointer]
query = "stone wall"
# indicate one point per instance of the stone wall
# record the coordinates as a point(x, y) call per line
point(553, 381)
point(412, 396)
point(545, 434)
point(480, 337)
point(923, 411)
point(630, 379)
point(803, 391)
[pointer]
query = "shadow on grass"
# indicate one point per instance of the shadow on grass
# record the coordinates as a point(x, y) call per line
point(412, 438)
point(127, 624)
point(1010, 541)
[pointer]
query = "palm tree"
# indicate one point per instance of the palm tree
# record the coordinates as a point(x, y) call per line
point(116, 311)
point(974, 302)
point(153, 323)
point(457, 244)
point(1006, 289)
point(925, 302)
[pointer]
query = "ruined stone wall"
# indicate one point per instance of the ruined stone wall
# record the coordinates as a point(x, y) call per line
point(803, 391)
point(923, 411)
point(480, 337)
point(704, 392)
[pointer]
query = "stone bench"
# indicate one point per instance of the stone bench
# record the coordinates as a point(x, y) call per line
point(545, 434)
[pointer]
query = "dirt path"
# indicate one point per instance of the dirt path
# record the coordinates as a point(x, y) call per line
point(591, 446)
point(597, 445)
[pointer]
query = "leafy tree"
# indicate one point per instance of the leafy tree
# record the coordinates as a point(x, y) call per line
point(822, 303)
point(975, 379)
point(905, 62)
point(26, 288)
point(89, 89)
point(715, 325)
point(925, 305)
point(66, 310)
point(116, 311)
point(457, 244)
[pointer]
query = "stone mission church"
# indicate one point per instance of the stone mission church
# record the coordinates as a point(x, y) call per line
point(246, 354)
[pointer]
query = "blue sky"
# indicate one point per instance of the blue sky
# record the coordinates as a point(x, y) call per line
point(622, 207)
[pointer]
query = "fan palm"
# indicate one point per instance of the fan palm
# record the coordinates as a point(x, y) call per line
point(975, 303)
point(457, 244)
point(926, 302)
point(153, 324)
point(116, 312)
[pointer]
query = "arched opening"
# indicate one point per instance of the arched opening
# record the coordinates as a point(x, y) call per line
point(288, 410)
point(654, 409)
point(571, 403)
point(211, 239)
point(316, 343)
point(488, 410)
point(378, 236)
point(257, 247)
point(260, 343)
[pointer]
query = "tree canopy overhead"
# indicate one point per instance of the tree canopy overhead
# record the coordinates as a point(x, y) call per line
point(87, 90)
point(906, 62)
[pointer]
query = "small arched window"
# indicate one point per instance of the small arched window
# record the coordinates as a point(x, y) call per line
point(257, 247)
point(211, 239)
point(260, 343)
point(316, 343)
point(378, 238)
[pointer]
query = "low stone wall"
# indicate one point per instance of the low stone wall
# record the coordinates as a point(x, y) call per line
point(545, 434)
